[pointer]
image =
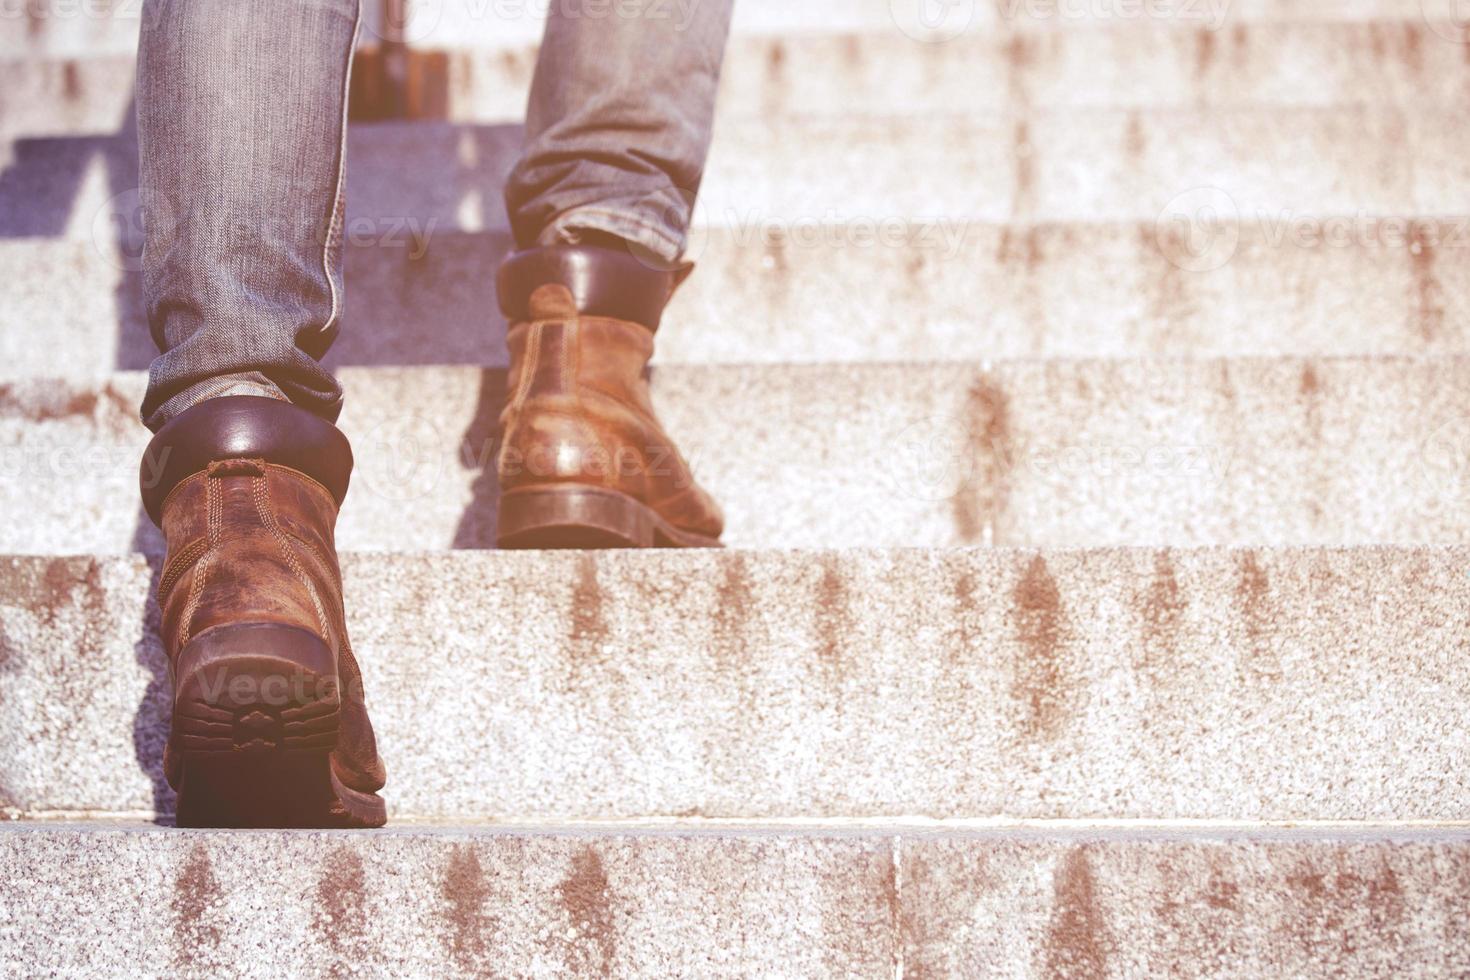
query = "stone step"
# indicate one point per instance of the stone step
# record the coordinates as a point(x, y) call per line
point(1402, 63)
point(1199, 172)
point(1056, 454)
point(637, 903)
point(930, 291)
point(80, 28)
point(1269, 684)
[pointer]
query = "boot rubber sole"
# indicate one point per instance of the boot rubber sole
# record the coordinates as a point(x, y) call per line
point(582, 517)
point(257, 713)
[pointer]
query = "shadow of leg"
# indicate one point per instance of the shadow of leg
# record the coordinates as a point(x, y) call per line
point(477, 453)
point(150, 723)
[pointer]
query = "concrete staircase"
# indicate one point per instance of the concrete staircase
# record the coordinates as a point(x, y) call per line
point(1088, 396)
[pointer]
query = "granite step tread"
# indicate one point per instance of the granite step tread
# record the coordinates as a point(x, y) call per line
point(1263, 684)
point(932, 290)
point(1194, 168)
point(882, 70)
point(67, 28)
point(534, 903)
point(1032, 453)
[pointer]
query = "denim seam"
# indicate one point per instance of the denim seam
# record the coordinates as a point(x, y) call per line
point(338, 202)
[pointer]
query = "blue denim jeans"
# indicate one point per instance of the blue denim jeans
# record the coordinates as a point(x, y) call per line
point(242, 115)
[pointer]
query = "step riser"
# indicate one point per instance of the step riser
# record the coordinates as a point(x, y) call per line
point(1251, 685)
point(1061, 166)
point(1404, 64)
point(948, 292)
point(750, 905)
point(1068, 454)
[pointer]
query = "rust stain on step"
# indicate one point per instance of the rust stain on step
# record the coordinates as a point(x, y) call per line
point(1428, 303)
point(1335, 903)
point(465, 892)
point(984, 492)
point(339, 916)
point(736, 599)
point(1253, 593)
point(1168, 292)
point(589, 631)
point(1020, 55)
point(1309, 392)
point(1204, 51)
point(1039, 683)
point(71, 82)
point(1162, 609)
point(1020, 247)
point(833, 617)
point(1413, 55)
point(963, 591)
point(587, 900)
point(1376, 42)
point(1077, 937)
point(1240, 48)
point(1310, 383)
point(32, 405)
point(196, 935)
point(775, 248)
point(1222, 893)
point(1023, 154)
point(1135, 142)
point(776, 62)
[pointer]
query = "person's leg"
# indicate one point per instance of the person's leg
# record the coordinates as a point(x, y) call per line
point(619, 122)
point(241, 113)
point(618, 129)
point(241, 121)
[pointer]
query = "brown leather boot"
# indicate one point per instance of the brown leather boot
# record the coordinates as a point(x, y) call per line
point(269, 724)
point(583, 461)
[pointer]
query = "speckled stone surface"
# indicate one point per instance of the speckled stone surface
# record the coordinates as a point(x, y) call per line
point(1048, 165)
point(106, 901)
point(1265, 684)
point(881, 69)
point(66, 28)
point(937, 291)
point(1180, 906)
point(1035, 453)
point(93, 902)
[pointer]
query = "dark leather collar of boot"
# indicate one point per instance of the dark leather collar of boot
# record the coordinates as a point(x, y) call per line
point(603, 282)
point(243, 426)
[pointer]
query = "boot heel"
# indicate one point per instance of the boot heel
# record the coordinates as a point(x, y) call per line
point(257, 712)
point(573, 517)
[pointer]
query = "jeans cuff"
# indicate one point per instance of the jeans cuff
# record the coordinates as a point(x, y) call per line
point(251, 384)
point(657, 244)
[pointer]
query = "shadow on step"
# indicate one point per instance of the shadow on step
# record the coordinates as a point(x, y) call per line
point(425, 231)
point(150, 723)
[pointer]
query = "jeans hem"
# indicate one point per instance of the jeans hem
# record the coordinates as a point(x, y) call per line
point(205, 390)
point(652, 237)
